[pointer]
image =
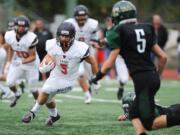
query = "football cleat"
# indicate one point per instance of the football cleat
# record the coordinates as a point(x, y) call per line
point(88, 100)
point(14, 101)
point(120, 93)
point(2, 94)
point(51, 120)
point(28, 117)
point(22, 86)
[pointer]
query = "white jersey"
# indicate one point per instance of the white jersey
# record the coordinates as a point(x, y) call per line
point(67, 63)
point(3, 56)
point(22, 46)
point(85, 32)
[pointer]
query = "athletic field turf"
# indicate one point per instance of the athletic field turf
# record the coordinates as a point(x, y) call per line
point(77, 118)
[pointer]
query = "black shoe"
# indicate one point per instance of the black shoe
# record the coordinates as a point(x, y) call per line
point(22, 86)
point(120, 93)
point(51, 120)
point(2, 93)
point(13, 103)
point(28, 117)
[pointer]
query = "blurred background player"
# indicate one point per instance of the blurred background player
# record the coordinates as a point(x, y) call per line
point(120, 66)
point(3, 56)
point(178, 42)
point(23, 57)
point(64, 54)
point(43, 34)
point(11, 26)
point(5, 92)
point(86, 28)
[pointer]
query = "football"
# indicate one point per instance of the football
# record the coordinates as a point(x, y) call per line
point(47, 64)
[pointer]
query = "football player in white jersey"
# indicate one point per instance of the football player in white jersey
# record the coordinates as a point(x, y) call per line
point(63, 58)
point(120, 66)
point(2, 63)
point(11, 26)
point(85, 29)
point(23, 57)
point(5, 91)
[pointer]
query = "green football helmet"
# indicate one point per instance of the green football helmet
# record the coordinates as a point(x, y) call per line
point(123, 10)
point(127, 102)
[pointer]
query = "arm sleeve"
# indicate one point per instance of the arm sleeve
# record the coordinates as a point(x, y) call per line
point(49, 48)
point(113, 39)
point(34, 43)
point(6, 37)
point(86, 54)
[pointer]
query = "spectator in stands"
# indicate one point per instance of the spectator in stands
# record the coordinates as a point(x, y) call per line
point(43, 34)
point(161, 32)
point(178, 41)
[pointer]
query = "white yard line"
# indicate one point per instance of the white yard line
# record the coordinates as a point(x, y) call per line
point(93, 99)
point(6, 101)
point(96, 99)
point(82, 98)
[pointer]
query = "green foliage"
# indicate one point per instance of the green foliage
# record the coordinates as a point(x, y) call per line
point(99, 9)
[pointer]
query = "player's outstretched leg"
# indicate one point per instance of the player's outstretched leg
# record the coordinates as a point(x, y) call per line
point(54, 115)
point(30, 115)
point(17, 95)
point(50, 120)
point(84, 85)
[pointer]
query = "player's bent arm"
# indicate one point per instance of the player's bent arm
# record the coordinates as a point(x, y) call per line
point(47, 64)
point(91, 60)
point(32, 56)
point(107, 65)
point(9, 51)
point(162, 57)
point(47, 59)
point(110, 61)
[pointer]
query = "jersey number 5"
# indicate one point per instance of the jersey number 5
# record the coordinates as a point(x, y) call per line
point(140, 36)
point(64, 68)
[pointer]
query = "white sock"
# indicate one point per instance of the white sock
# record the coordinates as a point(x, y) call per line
point(87, 94)
point(36, 108)
point(17, 93)
point(53, 112)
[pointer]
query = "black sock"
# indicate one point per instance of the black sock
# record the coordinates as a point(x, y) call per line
point(143, 133)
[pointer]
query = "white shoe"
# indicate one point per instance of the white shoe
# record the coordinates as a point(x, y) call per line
point(8, 95)
point(88, 100)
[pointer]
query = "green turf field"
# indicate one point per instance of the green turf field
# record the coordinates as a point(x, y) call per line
point(98, 118)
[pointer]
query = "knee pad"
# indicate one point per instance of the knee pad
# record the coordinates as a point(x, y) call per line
point(10, 83)
point(123, 79)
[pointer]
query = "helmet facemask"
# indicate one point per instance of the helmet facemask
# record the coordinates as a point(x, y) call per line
point(81, 14)
point(65, 40)
point(21, 30)
point(81, 19)
point(21, 25)
point(65, 35)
